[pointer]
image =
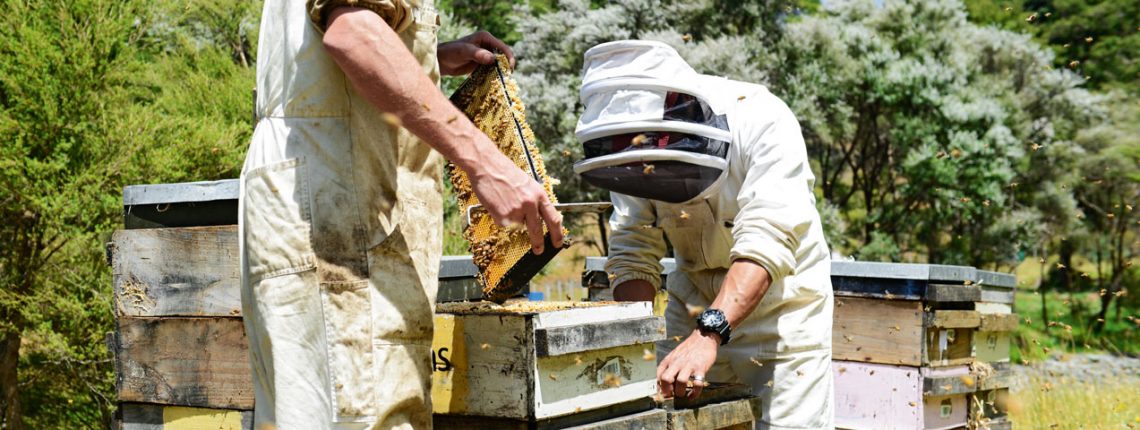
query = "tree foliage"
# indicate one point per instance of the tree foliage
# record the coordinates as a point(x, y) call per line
point(95, 95)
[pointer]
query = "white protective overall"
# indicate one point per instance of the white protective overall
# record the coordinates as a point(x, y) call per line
point(340, 231)
point(762, 209)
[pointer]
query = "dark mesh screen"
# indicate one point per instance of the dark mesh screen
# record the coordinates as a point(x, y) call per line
point(654, 140)
point(667, 181)
point(688, 108)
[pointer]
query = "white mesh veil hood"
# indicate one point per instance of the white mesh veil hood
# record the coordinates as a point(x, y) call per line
point(625, 85)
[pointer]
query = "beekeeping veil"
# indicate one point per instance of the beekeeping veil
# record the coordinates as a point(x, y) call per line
point(651, 127)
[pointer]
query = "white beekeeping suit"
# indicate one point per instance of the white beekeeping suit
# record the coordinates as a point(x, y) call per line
point(718, 167)
point(341, 220)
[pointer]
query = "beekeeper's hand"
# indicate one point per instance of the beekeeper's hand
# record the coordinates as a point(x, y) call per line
point(682, 372)
point(460, 56)
point(512, 196)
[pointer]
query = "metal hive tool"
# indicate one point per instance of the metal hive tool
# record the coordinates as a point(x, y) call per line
point(489, 97)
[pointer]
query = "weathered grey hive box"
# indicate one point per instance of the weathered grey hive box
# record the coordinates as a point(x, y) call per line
point(720, 406)
point(535, 361)
point(179, 344)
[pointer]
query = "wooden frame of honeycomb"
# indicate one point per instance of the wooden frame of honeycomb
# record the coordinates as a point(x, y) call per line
point(489, 98)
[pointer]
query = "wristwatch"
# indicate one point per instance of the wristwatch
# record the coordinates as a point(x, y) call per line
point(714, 321)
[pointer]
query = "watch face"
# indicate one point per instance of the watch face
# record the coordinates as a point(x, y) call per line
point(712, 319)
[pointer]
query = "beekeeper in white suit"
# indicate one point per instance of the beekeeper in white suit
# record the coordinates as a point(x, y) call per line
point(342, 212)
point(719, 168)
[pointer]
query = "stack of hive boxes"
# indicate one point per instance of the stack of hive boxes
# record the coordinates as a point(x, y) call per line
point(915, 346)
point(921, 346)
point(181, 354)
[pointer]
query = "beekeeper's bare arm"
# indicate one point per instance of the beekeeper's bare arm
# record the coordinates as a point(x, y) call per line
point(379, 66)
point(636, 248)
point(776, 206)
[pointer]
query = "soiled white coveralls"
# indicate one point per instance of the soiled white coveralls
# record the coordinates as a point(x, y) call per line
point(340, 232)
point(764, 212)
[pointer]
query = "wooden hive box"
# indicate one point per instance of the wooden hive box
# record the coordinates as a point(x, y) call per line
point(527, 363)
point(989, 402)
point(720, 406)
point(878, 396)
point(992, 342)
point(179, 344)
point(905, 314)
point(901, 332)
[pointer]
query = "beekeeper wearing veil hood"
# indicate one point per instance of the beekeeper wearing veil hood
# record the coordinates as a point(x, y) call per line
point(719, 168)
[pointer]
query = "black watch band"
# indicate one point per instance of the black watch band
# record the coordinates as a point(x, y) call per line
point(714, 321)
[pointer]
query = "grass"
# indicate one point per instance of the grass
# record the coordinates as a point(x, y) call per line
point(1070, 316)
point(1069, 332)
point(1063, 403)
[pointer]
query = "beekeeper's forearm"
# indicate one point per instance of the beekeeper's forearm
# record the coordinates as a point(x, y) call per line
point(385, 73)
point(744, 286)
point(635, 290)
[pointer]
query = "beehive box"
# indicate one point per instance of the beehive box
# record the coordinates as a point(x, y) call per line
point(720, 406)
point(535, 361)
point(908, 314)
point(929, 320)
point(992, 342)
point(989, 402)
point(878, 396)
point(179, 344)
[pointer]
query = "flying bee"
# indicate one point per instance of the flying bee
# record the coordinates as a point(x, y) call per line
point(390, 119)
point(695, 310)
point(648, 170)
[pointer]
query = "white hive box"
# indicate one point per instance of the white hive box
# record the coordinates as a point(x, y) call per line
point(533, 361)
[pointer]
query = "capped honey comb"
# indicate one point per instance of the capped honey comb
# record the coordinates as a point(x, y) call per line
point(503, 255)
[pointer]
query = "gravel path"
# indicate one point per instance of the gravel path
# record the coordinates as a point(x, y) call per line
point(1091, 368)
